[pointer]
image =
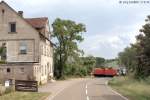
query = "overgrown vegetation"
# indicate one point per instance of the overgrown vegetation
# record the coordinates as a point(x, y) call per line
point(136, 58)
point(2, 54)
point(80, 68)
point(2, 90)
point(24, 96)
point(5, 90)
point(132, 88)
point(128, 59)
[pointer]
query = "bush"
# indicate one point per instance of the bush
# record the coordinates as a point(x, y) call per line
point(8, 90)
point(2, 90)
point(2, 62)
point(75, 70)
point(83, 71)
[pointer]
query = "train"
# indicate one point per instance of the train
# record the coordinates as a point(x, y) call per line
point(105, 72)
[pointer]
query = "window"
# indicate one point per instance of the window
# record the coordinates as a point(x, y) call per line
point(3, 11)
point(23, 47)
point(3, 52)
point(12, 26)
point(22, 70)
point(8, 70)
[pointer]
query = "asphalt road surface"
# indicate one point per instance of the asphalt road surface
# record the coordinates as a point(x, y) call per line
point(89, 89)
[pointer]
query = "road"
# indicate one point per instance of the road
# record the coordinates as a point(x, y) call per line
point(88, 89)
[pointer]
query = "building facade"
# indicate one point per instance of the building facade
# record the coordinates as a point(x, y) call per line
point(26, 52)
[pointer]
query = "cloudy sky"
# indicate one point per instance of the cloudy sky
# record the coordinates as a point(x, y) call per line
point(111, 26)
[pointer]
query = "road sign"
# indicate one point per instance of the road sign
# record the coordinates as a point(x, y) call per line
point(7, 83)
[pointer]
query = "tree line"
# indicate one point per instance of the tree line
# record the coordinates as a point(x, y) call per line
point(136, 57)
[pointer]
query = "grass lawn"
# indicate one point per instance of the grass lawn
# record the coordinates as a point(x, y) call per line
point(24, 96)
point(131, 88)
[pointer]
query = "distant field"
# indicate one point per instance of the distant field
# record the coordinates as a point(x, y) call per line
point(132, 89)
point(24, 96)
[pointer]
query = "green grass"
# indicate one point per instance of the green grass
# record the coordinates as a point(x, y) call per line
point(24, 96)
point(131, 88)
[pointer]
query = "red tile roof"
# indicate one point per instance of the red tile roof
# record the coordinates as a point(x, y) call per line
point(37, 22)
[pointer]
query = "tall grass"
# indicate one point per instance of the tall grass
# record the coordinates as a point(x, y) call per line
point(2, 90)
point(24, 96)
point(132, 88)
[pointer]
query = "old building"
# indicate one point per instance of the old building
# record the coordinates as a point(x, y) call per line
point(25, 49)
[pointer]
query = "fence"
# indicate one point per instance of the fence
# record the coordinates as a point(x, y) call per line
point(28, 86)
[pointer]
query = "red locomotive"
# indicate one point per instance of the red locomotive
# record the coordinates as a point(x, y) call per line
point(104, 72)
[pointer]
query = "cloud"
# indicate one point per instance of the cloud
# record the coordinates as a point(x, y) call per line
point(111, 42)
point(98, 45)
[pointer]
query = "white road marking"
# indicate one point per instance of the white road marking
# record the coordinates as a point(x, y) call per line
point(86, 91)
point(87, 98)
point(119, 94)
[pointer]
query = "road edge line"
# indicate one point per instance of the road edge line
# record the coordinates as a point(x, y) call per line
point(106, 83)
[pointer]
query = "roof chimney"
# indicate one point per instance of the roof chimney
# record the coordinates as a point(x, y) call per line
point(20, 13)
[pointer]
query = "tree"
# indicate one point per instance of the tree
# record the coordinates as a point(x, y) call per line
point(100, 62)
point(89, 62)
point(127, 58)
point(67, 34)
point(137, 57)
point(143, 50)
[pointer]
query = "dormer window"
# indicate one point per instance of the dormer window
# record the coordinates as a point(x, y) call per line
point(12, 27)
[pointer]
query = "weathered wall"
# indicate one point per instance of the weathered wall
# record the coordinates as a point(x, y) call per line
point(21, 71)
point(13, 52)
point(23, 32)
point(46, 60)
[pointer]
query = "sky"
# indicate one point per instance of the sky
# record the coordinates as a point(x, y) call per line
point(111, 26)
